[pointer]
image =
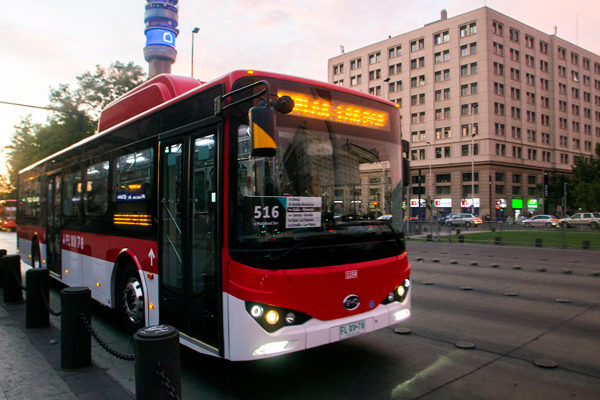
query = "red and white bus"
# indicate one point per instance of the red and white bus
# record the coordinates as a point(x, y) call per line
point(8, 215)
point(241, 211)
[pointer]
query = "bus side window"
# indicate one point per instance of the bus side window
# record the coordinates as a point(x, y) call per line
point(73, 193)
point(96, 189)
point(133, 188)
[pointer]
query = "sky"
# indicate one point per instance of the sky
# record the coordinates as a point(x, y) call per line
point(48, 43)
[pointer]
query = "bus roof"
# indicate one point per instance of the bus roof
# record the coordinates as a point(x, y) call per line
point(165, 89)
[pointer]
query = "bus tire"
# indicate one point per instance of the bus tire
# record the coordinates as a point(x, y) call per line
point(36, 259)
point(130, 299)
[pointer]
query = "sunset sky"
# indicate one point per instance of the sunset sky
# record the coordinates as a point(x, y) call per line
point(46, 43)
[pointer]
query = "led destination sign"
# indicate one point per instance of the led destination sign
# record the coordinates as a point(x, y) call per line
point(352, 114)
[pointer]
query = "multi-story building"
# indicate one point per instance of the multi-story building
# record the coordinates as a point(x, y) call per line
point(488, 103)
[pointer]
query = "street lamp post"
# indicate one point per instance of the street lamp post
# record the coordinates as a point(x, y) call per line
point(473, 111)
point(194, 31)
point(472, 173)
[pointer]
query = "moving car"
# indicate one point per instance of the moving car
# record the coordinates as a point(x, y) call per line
point(582, 219)
point(541, 220)
point(446, 217)
point(463, 219)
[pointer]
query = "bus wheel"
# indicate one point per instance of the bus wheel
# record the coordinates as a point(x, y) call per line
point(131, 299)
point(36, 259)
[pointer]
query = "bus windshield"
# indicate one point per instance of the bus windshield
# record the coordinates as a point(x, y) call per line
point(331, 194)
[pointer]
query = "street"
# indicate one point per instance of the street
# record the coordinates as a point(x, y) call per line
point(488, 322)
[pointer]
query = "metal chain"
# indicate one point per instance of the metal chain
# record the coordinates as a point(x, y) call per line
point(166, 382)
point(88, 326)
point(47, 303)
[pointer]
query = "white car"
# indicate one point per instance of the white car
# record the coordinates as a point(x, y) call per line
point(548, 221)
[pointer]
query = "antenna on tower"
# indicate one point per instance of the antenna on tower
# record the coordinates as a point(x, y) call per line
point(342, 49)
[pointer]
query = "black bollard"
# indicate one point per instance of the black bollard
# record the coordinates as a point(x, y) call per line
point(75, 339)
point(36, 313)
point(3, 252)
point(538, 242)
point(461, 238)
point(10, 267)
point(157, 363)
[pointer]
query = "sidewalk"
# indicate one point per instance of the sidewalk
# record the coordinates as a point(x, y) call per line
point(30, 365)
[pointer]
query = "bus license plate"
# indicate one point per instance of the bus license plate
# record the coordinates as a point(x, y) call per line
point(352, 329)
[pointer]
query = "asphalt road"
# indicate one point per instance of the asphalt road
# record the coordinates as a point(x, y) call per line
point(483, 317)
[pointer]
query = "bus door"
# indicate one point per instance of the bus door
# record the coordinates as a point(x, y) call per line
point(189, 275)
point(54, 224)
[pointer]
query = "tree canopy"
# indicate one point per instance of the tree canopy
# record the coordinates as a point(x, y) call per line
point(586, 182)
point(80, 110)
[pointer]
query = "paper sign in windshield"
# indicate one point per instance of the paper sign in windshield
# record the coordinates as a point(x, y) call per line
point(303, 212)
point(282, 212)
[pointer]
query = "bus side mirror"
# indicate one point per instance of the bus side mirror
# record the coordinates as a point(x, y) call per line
point(262, 131)
point(405, 163)
point(405, 171)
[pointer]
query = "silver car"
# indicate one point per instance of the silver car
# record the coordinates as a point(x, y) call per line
point(548, 221)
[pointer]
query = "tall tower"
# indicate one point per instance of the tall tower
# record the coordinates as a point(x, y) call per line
point(161, 31)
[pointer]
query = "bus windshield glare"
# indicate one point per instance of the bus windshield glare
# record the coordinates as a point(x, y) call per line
point(331, 192)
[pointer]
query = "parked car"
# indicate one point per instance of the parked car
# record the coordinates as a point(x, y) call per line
point(463, 219)
point(582, 219)
point(541, 220)
point(446, 217)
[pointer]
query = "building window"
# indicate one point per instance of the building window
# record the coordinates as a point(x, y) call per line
point(374, 57)
point(338, 69)
point(529, 41)
point(394, 51)
point(497, 28)
point(417, 44)
point(442, 37)
point(498, 48)
point(498, 68)
point(356, 63)
point(468, 29)
point(513, 35)
point(500, 149)
point(499, 129)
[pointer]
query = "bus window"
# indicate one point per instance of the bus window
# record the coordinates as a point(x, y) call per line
point(73, 189)
point(30, 197)
point(96, 193)
point(132, 194)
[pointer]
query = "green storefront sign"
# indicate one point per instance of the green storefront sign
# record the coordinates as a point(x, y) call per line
point(532, 203)
point(517, 204)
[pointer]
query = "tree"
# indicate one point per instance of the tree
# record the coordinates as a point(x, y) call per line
point(586, 182)
point(75, 115)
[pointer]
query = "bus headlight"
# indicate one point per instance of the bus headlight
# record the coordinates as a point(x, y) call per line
point(399, 293)
point(272, 318)
point(256, 311)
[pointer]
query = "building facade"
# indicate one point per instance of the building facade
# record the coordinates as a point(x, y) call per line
point(488, 104)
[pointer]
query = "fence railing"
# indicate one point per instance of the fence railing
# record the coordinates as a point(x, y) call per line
point(503, 233)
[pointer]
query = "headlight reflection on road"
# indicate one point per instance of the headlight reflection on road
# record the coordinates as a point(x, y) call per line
point(409, 387)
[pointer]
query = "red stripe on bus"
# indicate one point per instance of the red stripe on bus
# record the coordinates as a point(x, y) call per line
point(28, 232)
point(108, 248)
